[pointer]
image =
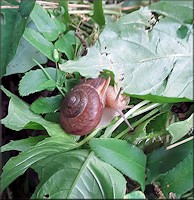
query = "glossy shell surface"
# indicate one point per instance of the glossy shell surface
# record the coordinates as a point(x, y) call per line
point(81, 109)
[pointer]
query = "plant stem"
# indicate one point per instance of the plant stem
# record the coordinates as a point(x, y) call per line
point(46, 73)
point(60, 90)
point(145, 109)
point(56, 72)
point(179, 143)
point(147, 116)
point(90, 12)
point(86, 139)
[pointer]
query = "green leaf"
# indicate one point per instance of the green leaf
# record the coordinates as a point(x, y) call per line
point(21, 117)
point(10, 2)
point(64, 45)
point(38, 41)
point(158, 125)
point(156, 64)
point(150, 130)
point(70, 36)
point(182, 32)
point(38, 81)
point(173, 180)
point(23, 144)
point(65, 17)
point(26, 52)
point(132, 3)
point(72, 82)
point(25, 8)
point(14, 22)
point(160, 161)
point(180, 129)
point(53, 117)
point(93, 71)
point(165, 8)
point(125, 157)
point(47, 85)
point(22, 61)
point(16, 166)
point(98, 15)
point(78, 174)
point(9, 18)
point(45, 24)
point(46, 104)
point(135, 195)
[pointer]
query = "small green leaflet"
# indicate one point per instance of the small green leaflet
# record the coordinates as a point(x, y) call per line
point(180, 129)
point(63, 45)
point(39, 81)
point(45, 24)
point(98, 15)
point(46, 104)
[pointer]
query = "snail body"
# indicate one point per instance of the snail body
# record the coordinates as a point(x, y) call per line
point(82, 108)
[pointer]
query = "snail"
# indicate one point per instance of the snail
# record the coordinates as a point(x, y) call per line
point(82, 109)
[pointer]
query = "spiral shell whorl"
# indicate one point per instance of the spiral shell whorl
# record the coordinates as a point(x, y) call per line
point(74, 103)
point(81, 110)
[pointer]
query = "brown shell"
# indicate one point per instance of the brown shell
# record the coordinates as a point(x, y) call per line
point(81, 109)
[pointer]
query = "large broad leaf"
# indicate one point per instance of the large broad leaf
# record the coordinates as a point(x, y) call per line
point(160, 161)
point(78, 174)
point(165, 8)
point(16, 166)
point(155, 60)
point(21, 117)
point(14, 22)
point(125, 157)
point(179, 180)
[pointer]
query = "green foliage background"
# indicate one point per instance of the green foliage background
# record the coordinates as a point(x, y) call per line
point(147, 51)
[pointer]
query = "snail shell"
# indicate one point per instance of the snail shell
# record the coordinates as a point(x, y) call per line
point(82, 108)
